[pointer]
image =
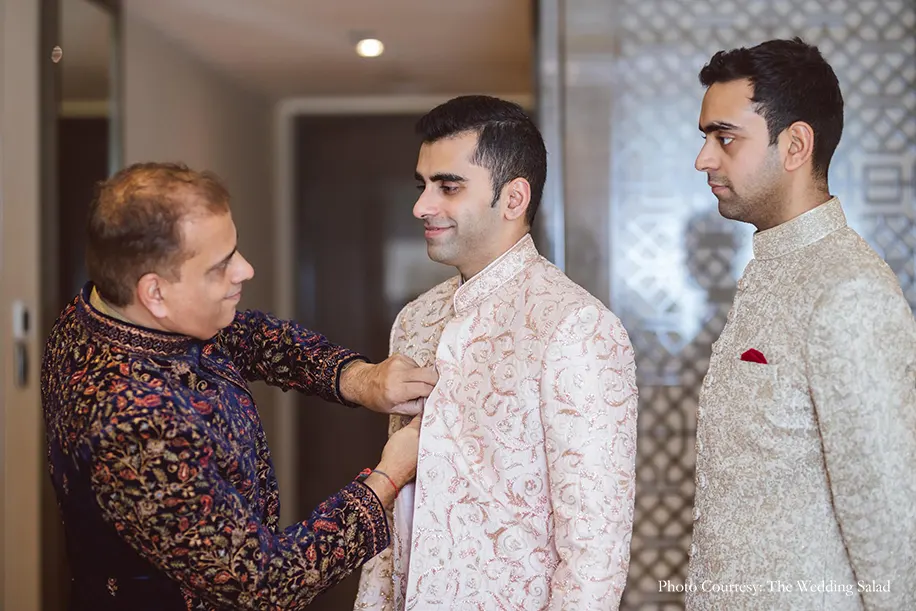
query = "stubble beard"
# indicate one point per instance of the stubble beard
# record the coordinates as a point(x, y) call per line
point(443, 251)
point(761, 201)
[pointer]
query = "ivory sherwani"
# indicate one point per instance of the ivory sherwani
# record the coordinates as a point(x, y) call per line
point(525, 484)
point(805, 464)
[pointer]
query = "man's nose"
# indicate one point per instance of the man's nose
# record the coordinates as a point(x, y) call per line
point(706, 159)
point(425, 206)
point(243, 271)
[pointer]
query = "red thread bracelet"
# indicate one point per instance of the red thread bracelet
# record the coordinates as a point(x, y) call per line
point(397, 490)
point(367, 472)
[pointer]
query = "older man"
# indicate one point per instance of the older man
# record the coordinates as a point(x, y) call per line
point(157, 454)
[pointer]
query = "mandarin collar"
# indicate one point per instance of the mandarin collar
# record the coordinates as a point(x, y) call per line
point(127, 336)
point(802, 231)
point(473, 291)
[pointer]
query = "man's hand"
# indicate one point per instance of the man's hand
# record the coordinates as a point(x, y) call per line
point(399, 462)
point(391, 387)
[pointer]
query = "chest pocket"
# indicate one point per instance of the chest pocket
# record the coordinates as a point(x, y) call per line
point(757, 381)
point(761, 394)
point(735, 410)
point(735, 390)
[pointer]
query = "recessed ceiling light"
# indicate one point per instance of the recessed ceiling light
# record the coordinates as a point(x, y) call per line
point(370, 47)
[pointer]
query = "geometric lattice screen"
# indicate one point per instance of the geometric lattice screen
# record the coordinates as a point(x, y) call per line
point(671, 263)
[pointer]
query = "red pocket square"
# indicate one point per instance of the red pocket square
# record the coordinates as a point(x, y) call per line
point(754, 356)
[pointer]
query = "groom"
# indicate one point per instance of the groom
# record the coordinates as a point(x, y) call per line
point(525, 481)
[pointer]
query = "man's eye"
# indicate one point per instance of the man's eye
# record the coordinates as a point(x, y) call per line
point(421, 188)
point(725, 140)
point(449, 190)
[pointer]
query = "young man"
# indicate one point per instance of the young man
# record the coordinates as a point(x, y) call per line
point(157, 455)
point(806, 429)
point(525, 482)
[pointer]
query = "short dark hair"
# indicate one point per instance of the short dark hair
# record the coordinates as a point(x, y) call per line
point(134, 224)
point(792, 82)
point(509, 144)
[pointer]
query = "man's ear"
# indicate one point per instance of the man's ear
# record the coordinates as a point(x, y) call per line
point(150, 294)
point(800, 140)
point(518, 196)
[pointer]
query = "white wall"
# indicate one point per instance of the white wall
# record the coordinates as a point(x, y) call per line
point(178, 109)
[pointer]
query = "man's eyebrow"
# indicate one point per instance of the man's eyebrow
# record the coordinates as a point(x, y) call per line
point(720, 126)
point(446, 177)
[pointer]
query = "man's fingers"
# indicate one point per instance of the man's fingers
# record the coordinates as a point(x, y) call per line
point(415, 423)
point(416, 390)
point(406, 360)
point(408, 408)
point(426, 375)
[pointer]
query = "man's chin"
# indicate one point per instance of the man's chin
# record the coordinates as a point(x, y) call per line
point(729, 210)
point(438, 254)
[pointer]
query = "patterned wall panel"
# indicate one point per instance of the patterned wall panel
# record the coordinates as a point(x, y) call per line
point(642, 229)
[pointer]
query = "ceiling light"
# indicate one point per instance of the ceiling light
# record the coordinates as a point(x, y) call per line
point(370, 47)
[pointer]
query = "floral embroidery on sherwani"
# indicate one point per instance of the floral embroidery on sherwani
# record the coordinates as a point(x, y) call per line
point(525, 487)
point(163, 474)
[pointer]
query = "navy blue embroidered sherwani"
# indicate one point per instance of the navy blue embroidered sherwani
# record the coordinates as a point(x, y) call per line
point(163, 475)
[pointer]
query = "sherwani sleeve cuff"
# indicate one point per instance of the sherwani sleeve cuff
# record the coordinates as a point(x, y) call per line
point(373, 519)
point(347, 357)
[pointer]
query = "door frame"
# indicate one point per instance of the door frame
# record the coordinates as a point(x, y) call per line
point(284, 436)
point(23, 108)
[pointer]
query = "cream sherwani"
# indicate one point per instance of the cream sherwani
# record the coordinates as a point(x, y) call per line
point(805, 465)
point(525, 484)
